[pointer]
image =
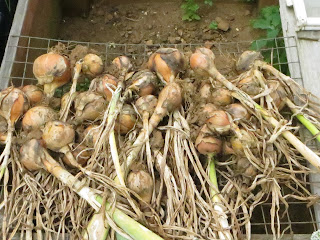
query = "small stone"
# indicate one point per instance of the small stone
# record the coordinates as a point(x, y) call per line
point(180, 32)
point(108, 18)
point(218, 19)
point(208, 44)
point(223, 25)
point(100, 12)
point(149, 42)
point(149, 26)
point(247, 12)
point(174, 40)
point(152, 34)
point(207, 36)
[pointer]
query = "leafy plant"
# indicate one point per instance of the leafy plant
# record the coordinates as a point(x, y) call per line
point(271, 47)
point(81, 87)
point(213, 25)
point(208, 2)
point(190, 9)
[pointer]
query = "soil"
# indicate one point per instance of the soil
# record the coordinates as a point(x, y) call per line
point(157, 22)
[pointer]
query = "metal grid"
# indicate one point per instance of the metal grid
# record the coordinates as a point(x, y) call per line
point(300, 219)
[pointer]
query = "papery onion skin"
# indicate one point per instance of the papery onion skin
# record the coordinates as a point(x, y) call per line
point(92, 65)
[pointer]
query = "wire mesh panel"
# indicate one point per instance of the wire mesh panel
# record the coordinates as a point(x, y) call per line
point(299, 219)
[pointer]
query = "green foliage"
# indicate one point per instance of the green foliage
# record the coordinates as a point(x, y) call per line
point(213, 25)
point(208, 2)
point(81, 87)
point(190, 9)
point(315, 235)
point(271, 47)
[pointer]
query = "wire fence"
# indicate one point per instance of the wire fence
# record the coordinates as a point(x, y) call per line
point(300, 219)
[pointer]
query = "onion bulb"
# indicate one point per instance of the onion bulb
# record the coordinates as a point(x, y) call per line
point(91, 135)
point(207, 144)
point(278, 94)
point(92, 65)
point(146, 104)
point(219, 122)
point(57, 134)
point(34, 93)
point(249, 86)
point(167, 63)
point(144, 82)
point(238, 111)
point(51, 70)
point(123, 64)
point(89, 106)
point(245, 168)
point(81, 154)
point(105, 85)
point(238, 145)
point(126, 119)
point(141, 183)
point(221, 97)
point(3, 130)
point(246, 60)
point(202, 61)
point(31, 155)
point(37, 117)
point(205, 91)
point(227, 148)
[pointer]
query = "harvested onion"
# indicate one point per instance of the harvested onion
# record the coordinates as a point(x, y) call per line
point(34, 94)
point(89, 106)
point(81, 154)
point(92, 65)
point(278, 94)
point(205, 91)
point(105, 85)
point(126, 119)
point(52, 71)
point(91, 135)
point(221, 97)
point(206, 143)
point(245, 168)
point(144, 82)
point(219, 122)
point(37, 117)
point(250, 86)
point(239, 144)
point(238, 111)
point(141, 183)
point(167, 63)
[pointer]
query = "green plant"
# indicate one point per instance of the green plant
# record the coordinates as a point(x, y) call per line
point(190, 9)
point(213, 25)
point(81, 87)
point(271, 47)
point(208, 2)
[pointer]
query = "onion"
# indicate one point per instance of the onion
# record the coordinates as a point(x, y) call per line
point(278, 94)
point(57, 134)
point(167, 63)
point(207, 144)
point(219, 122)
point(249, 86)
point(238, 145)
point(202, 61)
point(238, 111)
point(156, 140)
point(245, 168)
point(246, 60)
point(205, 91)
point(141, 183)
point(227, 148)
point(34, 93)
point(146, 104)
point(81, 154)
point(144, 82)
point(106, 84)
point(89, 106)
point(37, 117)
point(92, 65)
point(126, 119)
point(91, 135)
point(3, 130)
point(123, 64)
point(221, 97)
point(31, 155)
point(51, 70)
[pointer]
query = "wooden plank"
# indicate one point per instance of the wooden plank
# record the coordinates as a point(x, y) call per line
point(285, 237)
point(307, 53)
